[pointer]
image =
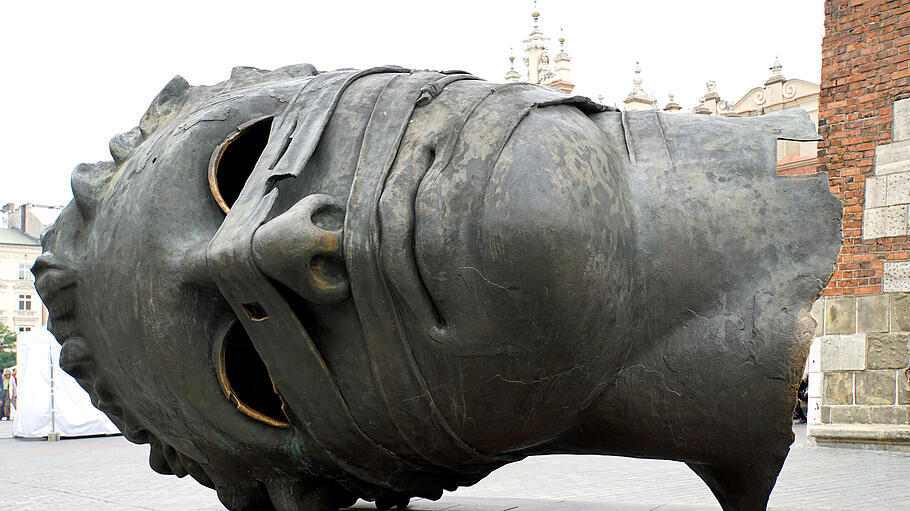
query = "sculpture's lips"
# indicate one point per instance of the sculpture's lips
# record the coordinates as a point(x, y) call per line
point(55, 287)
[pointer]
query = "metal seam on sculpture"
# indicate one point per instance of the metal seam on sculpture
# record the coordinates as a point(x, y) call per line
point(396, 465)
point(663, 132)
point(430, 91)
point(442, 162)
point(347, 82)
point(627, 135)
point(511, 127)
point(400, 295)
point(454, 135)
point(530, 104)
point(301, 157)
point(442, 154)
point(571, 100)
point(291, 112)
point(363, 209)
point(278, 127)
point(390, 158)
point(580, 102)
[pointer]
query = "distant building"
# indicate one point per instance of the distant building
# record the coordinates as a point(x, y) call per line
point(538, 68)
point(777, 94)
point(20, 229)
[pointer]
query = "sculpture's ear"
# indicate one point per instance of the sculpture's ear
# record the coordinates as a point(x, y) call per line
point(166, 103)
point(89, 182)
point(301, 248)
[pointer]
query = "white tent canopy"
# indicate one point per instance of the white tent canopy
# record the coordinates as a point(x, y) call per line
point(50, 401)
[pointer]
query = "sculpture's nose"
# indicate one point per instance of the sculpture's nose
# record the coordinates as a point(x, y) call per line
point(301, 248)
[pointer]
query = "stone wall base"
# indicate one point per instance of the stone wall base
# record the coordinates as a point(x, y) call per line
point(861, 436)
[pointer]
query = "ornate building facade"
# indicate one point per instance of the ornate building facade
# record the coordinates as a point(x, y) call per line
point(537, 66)
point(776, 94)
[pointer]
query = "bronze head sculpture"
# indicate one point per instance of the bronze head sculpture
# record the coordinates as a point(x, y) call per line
point(304, 288)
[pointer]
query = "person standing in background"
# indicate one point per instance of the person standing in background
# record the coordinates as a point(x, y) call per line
point(13, 392)
point(5, 397)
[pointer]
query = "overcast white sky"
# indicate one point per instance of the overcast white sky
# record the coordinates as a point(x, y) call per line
point(76, 73)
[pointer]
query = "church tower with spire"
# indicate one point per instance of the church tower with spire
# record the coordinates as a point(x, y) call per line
point(537, 63)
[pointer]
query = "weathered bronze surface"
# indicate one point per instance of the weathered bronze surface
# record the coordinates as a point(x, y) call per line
point(302, 288)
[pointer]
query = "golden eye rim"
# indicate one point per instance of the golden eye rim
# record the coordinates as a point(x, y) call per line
point(218, 153)
point(227, 389)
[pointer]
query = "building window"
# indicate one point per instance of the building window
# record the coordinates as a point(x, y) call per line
point(25, 302)
point(23, 272)
point(25, 329)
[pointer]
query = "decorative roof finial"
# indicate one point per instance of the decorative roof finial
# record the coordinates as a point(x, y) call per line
point(638, 99)
point(562, 39)
point(512, 75)
point(776, 75)
point(672, 105)
point(637, 79)
point(535, 14)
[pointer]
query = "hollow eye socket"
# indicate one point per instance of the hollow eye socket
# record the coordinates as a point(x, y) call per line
point(234, 159)
point(245, 379)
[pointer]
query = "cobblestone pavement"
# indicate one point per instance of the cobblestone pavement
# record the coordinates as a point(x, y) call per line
point(108, 473)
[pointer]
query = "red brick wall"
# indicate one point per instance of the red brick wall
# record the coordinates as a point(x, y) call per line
point(865, 68)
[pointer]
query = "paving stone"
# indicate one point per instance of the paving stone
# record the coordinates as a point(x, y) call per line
point(875, 192)
point(875, 388)
point(872, 313)
point(842, 352)
point(893, 157)
point(110, 474)
point(901, 123)
point(851, 414)
point(818, 314)
point(890, 414)
point(837, 388)
point(897, 191)
point(887, 351)
point(897, 277)
point(840, 316)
